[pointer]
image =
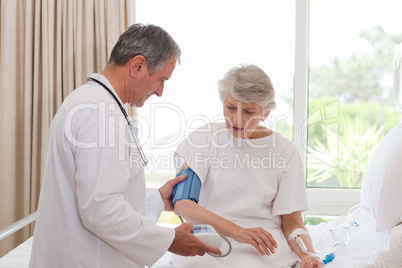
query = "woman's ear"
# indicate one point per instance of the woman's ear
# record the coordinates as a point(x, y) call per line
point(265, 116)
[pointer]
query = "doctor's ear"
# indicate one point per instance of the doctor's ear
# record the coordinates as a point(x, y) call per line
point(137, 64)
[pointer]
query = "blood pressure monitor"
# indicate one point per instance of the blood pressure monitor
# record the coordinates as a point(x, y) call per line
point(207, 234)
point(190, 189)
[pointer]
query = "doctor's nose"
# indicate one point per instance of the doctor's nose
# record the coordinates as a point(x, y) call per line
point(159, 90)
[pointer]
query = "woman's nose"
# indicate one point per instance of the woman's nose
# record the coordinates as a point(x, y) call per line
point(236, 118)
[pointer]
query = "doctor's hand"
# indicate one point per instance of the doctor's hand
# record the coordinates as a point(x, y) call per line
point(262, 240)
point(187, 244)
point(166, 191)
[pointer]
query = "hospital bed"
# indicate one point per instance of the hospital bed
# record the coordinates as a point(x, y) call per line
point(18, 257)
point(352, 239)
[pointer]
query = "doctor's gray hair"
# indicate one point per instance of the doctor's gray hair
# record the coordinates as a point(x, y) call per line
point(150, 41)
point(250, 84)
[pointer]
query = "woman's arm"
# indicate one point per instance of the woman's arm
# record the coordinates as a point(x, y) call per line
point(195, 214)
point(291, 222)
point(257, 237)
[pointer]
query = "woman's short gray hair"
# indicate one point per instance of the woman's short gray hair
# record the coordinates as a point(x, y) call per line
point(150, 41)
point(248, 83)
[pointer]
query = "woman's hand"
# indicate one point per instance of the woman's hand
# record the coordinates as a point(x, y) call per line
point(311, 261)
point(262, 240)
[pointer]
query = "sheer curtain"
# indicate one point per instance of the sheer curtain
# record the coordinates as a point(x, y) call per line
point(47, 48)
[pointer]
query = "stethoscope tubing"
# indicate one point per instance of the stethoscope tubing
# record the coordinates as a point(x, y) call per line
point(142, 154)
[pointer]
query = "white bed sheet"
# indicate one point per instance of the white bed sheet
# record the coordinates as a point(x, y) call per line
point(18, 257)
point(364, 245)
point(366, 249)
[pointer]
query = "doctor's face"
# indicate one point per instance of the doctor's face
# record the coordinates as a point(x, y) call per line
point(149, 85)
point(242, 118)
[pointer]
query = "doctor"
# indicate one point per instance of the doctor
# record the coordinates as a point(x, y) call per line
point(94, 209)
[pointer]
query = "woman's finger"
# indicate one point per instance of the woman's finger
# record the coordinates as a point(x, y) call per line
point(268, 241)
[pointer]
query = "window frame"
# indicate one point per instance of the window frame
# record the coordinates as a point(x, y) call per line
point(323, 201)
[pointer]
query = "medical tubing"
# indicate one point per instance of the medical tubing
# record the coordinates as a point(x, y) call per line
point(295, 235)
point(128, 118)
point(328, 258)
point(301, 244)
point(345, 241)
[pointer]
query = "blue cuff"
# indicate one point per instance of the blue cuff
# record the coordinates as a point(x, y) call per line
point(188, 189)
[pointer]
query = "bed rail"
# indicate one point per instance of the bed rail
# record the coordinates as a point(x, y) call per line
point(18, 225)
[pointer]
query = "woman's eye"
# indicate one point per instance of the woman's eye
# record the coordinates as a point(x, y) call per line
point(248, 112)
point(231, 108)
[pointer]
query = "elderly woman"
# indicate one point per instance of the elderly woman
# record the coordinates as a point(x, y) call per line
point(253, 188)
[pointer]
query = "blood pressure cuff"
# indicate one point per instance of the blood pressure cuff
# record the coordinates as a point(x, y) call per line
point(187, 189)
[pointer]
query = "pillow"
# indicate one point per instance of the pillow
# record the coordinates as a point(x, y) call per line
point(392, 257)
point(381, 191)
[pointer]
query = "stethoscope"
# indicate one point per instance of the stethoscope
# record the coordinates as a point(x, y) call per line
point(145, 161)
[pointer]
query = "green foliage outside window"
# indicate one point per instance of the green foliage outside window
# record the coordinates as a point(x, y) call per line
point(345, 151)
point(358, 91)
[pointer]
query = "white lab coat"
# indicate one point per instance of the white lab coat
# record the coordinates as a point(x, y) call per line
point(94, 204)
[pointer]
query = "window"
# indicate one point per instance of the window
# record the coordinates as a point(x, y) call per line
point(350, 105)
point(330, 61)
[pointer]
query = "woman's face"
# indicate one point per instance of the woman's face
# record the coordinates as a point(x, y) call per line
point(242, 118)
